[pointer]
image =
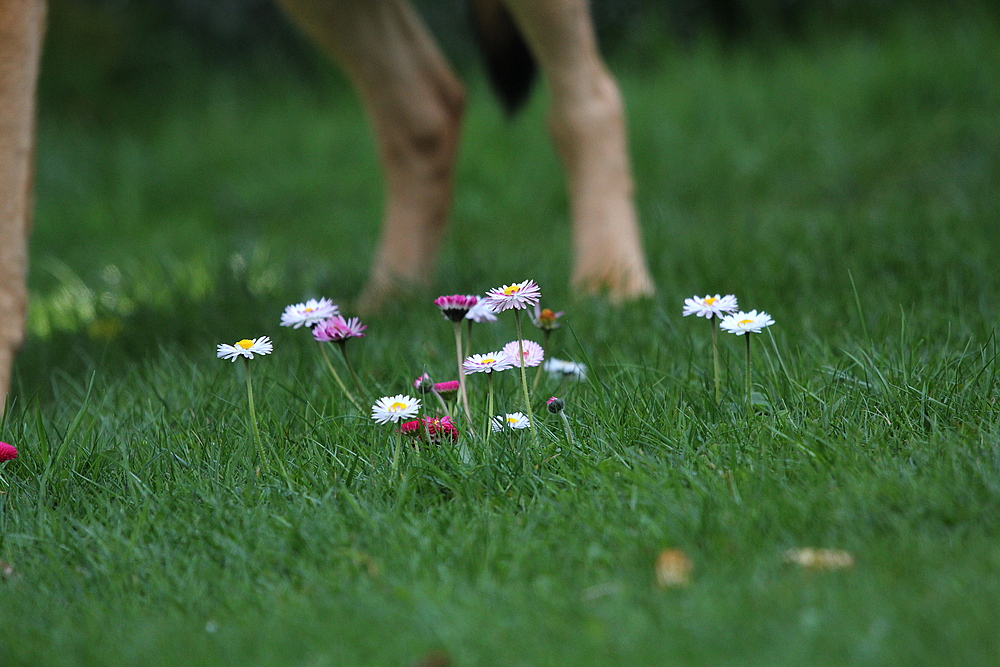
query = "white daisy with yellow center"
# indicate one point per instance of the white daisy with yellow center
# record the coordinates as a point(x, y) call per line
point(245, 348)
point(710, 306)
point(394, 408)
point(487, 363)
point(742, 323)
point(310, 313)
point(516, 296)
point(512, 420)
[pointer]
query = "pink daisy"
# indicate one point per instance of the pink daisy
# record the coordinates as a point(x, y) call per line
point(7, 452)
point(516, 296)
point(533, 353)
point(434, 428)
point(456, 306)
point(338, 329)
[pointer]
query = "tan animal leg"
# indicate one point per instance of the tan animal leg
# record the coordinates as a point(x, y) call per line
point(414, 103)
point(21, 28)
point(587, 123)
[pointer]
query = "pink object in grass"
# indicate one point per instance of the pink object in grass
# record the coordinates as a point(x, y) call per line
point(7, 452)
point(533, 354)
point(449, 387)
point(338, 329)
point(456, 306)
point(434, 428)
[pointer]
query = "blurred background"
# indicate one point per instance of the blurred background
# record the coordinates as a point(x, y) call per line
point(199, 158)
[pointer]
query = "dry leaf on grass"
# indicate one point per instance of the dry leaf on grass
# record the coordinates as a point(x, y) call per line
point(820, 559)
point(673, 569)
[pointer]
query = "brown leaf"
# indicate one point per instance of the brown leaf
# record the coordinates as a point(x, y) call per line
point(820, 559)
point(673, 569)
point(434, 659)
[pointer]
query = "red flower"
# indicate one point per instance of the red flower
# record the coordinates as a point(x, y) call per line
point(9, 452)
point(433, 428)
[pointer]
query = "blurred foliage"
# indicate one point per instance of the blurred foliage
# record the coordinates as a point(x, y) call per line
point(127, 40)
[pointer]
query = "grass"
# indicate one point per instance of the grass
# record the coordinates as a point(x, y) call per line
point(847, 185)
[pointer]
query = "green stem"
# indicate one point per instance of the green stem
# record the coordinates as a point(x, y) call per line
point(749, 385)
point(489, 411)
point(462, 395)
point(395, 454)
point(336, 376)
point(253, 416)
point(347, 362)
point(569, 431)
point(524, 379)
point(715, 358)
point(545, 349)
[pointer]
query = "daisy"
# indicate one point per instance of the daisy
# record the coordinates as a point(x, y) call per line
point(741, 323)
point(532, 352)
point(513, 420)
point(7, 452)
point(545, 319)
point(308, 314)
point(557, 368)
point(245, 348)
point(487, 363)
point(710, 306)
point(446, 389)
point(516, 296)
point(433, 428)
point(481, 312)
point(394, 409)
point(456, 306)
point(337, 329)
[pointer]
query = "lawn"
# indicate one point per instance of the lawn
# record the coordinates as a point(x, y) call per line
point(846, 183)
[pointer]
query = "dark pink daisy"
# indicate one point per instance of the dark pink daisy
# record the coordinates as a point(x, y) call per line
point(434, 428)
point(447, 389)
point(456, 306)
point(337, 329)
point(7, 452)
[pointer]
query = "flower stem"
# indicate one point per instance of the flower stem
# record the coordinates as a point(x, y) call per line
point(336, 376)
point(524, 378)
point(253, 415)
point(749, 384)
point(489, 410)
point(545, 348)
point(715, 358)
point(347, 362)
point(569, 431)
point(395, 453)
point(462, 395)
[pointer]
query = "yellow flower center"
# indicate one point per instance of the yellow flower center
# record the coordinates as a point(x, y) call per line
point(245, 344)
point(710, 300)
point(512, 420)
point(309, 310)
point(742, 322)
point(397, 407)
point(513, 289)
point(487, 361)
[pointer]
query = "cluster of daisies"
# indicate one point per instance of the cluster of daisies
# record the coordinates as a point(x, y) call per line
point(725, 310)
point(408, 413)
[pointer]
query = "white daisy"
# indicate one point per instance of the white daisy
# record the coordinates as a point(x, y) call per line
point(309, 313)
point(741, 323)
point(481, 312)
point(513, 420)
point(710, 306)
point(245, 348)
point(394, 408)
point(487, 363)
point(517, 296)
point(557, 368)
point(533, 353)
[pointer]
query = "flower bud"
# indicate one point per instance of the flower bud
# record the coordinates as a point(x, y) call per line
point(555, 405)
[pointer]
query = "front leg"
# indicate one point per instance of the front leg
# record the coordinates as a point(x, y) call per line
point(21, 27)
point(587, 123)
point(414, 104)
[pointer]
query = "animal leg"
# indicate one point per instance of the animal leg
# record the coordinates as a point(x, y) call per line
point(414, 103)
point(587, 123)
point(21, 28)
